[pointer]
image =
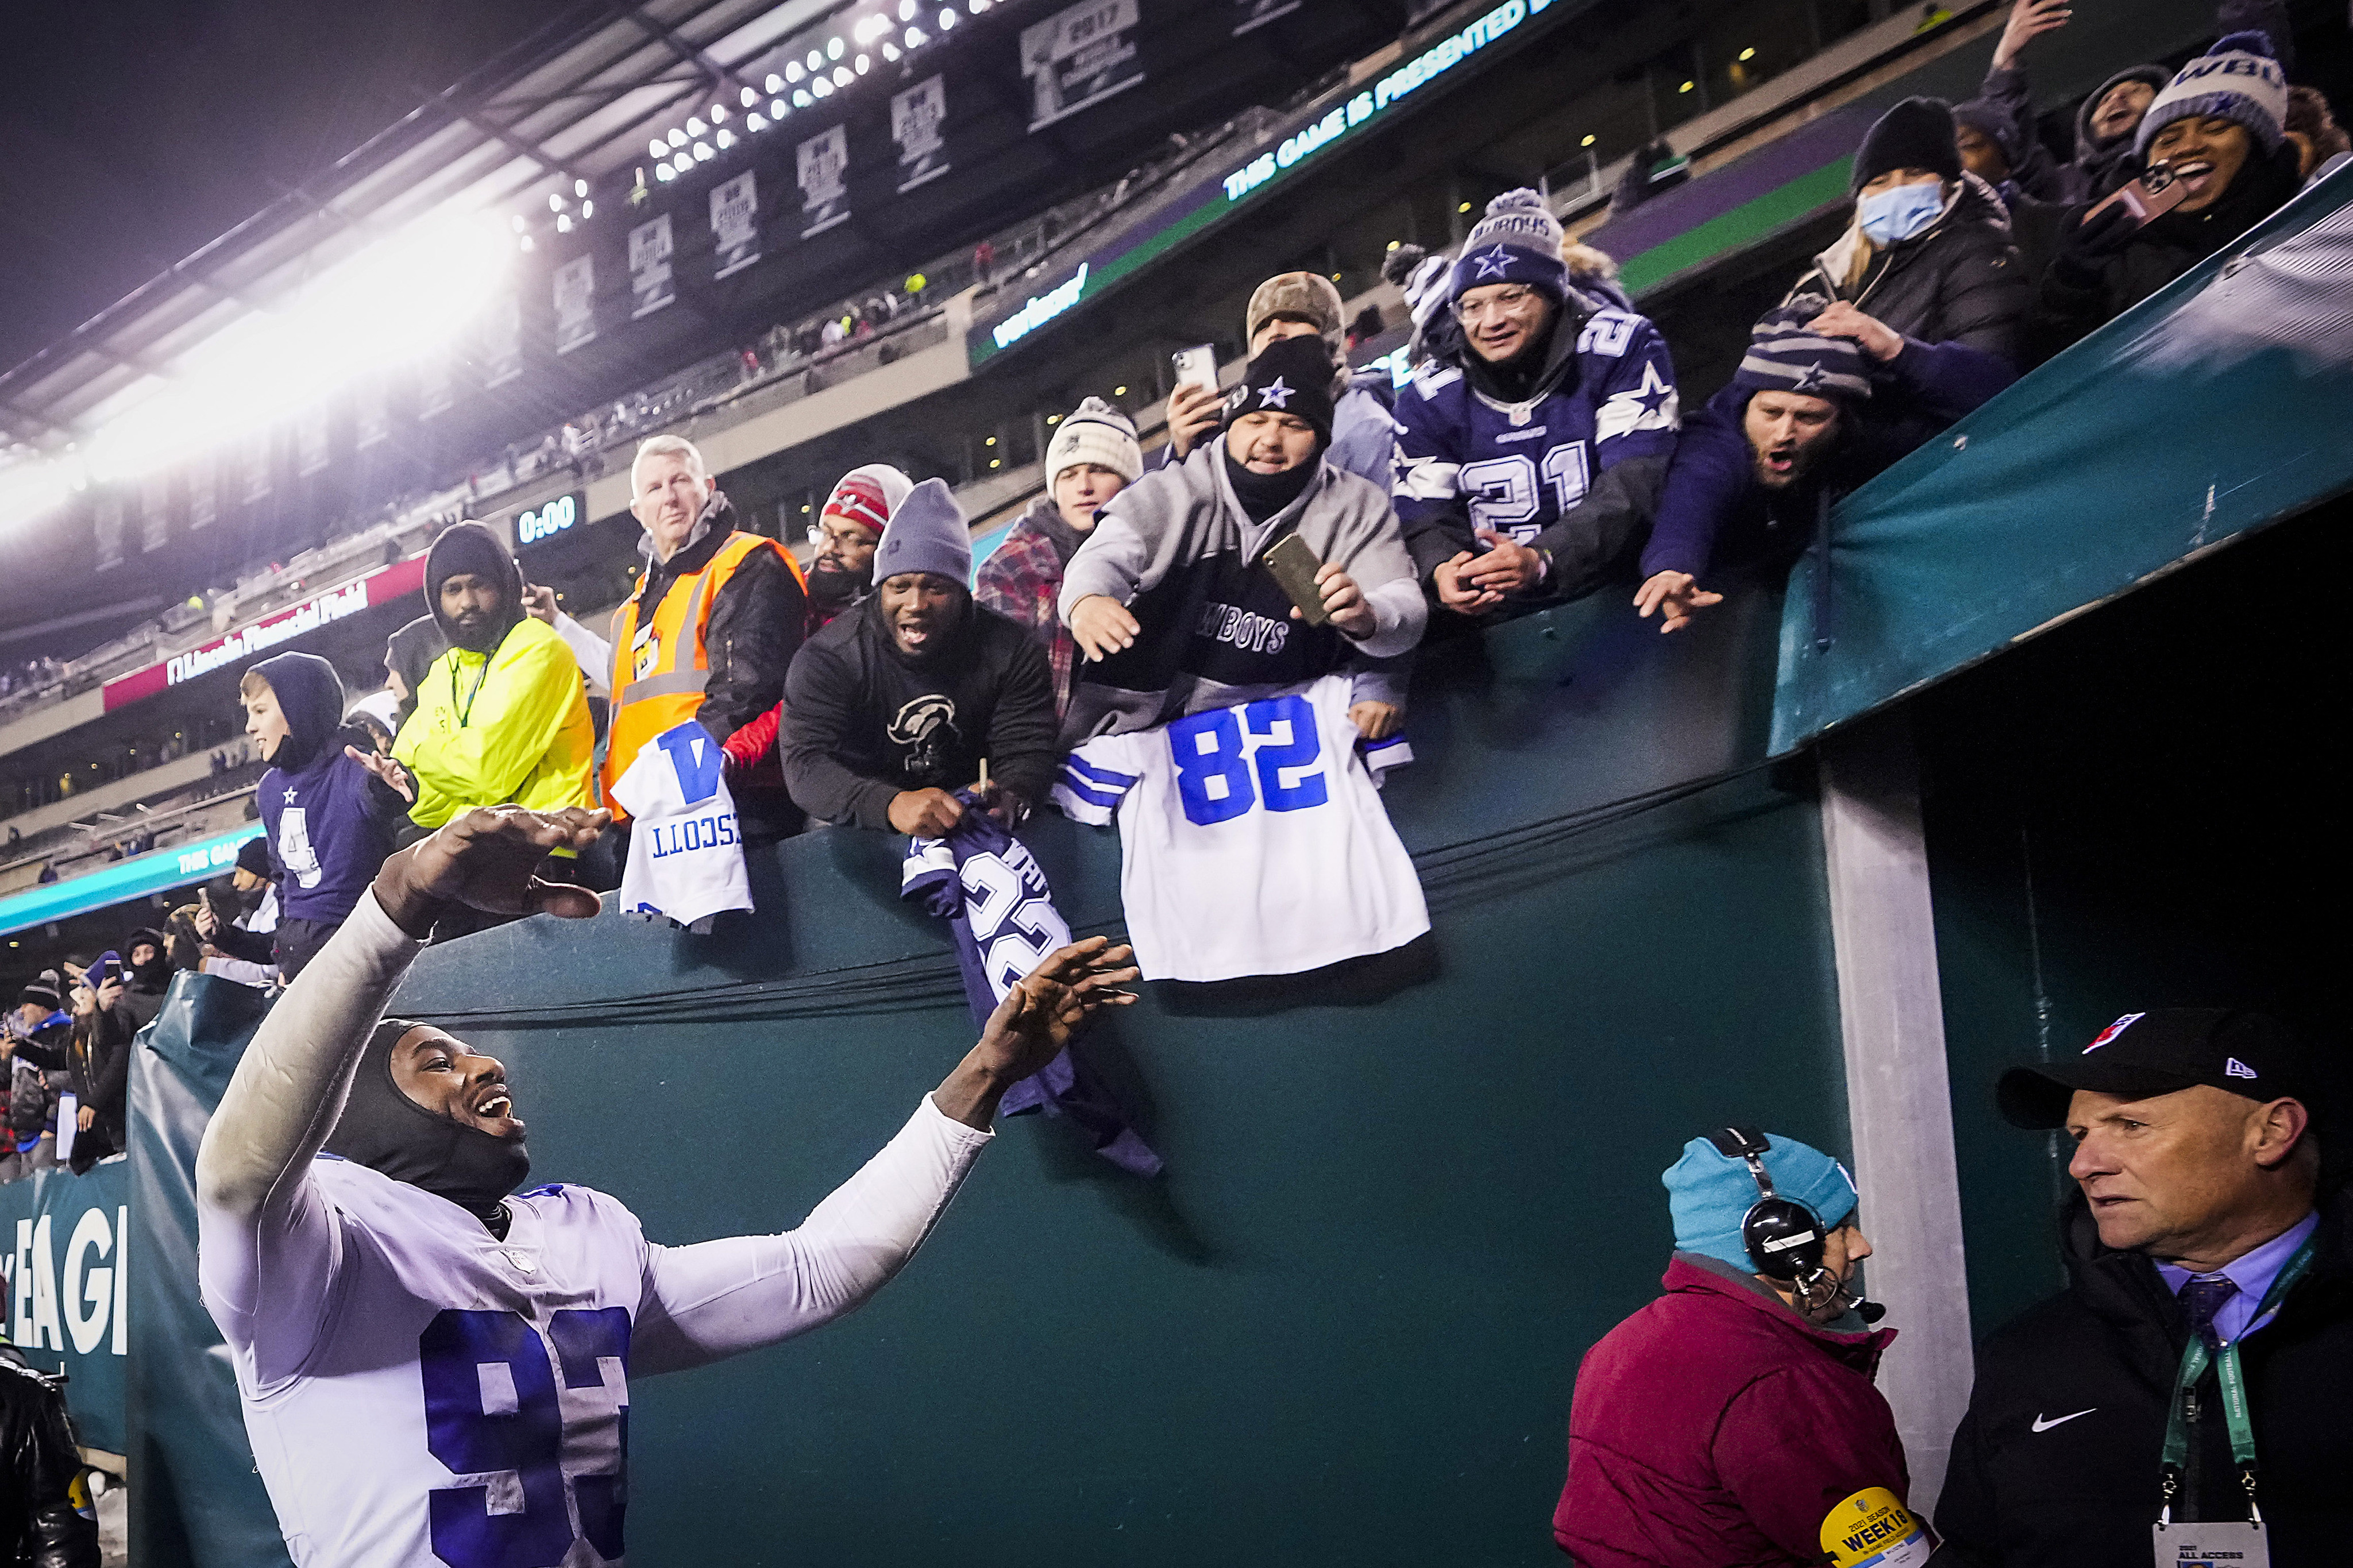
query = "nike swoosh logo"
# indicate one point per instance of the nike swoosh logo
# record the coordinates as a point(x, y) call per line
point(2043, 1426)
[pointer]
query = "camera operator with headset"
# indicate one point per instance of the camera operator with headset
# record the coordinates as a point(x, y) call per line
point(1734, 1420)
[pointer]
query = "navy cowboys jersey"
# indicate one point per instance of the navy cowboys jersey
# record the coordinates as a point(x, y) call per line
point(1517, 467)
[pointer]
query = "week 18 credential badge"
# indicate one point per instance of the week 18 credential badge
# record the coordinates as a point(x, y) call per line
point(1871, 1529)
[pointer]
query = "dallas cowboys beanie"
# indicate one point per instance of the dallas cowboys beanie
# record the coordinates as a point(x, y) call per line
point(1095, 432)
point(1291, 375)
point(1709, 1193)
point(1784, 356)
point(928, 532)
point(2238, 79)
point(1518, 241)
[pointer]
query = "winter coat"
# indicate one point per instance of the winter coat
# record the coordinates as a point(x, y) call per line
point(101, 1079)
point(757, 621)
point(32, 1095)
point(1713, 512)
point(2072, 303)
point(2033, 1484)
point(1176, 548)
point(41, 1525)
point(1022, 581)
point(863, 721)
point(329, 823)
point(1718, 1426)
point(1959, 281)
point(509, 726)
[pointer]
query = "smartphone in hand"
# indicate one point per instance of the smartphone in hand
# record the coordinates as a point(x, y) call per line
point(1196, 366)
point(1294, 566)
point(2153, 194)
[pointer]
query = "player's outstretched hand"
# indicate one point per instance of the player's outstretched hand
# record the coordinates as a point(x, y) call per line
point(1034, 1022)
point(485, 858)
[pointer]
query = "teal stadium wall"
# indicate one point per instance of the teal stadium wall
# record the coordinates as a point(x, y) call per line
point(1401, 1199)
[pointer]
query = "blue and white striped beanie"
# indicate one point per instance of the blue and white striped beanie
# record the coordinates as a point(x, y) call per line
point(1517, 242)
point(2237, 80)
point(1784, 356)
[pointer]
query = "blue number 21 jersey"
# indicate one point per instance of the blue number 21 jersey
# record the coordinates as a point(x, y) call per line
point(1252, 840)
point(1466, 460)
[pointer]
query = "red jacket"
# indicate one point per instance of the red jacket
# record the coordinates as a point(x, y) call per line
point(1715, 1428)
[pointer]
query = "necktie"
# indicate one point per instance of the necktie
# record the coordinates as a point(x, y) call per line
point(2201, 1297)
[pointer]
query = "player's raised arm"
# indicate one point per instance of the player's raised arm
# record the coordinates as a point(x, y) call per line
point(718, 1298)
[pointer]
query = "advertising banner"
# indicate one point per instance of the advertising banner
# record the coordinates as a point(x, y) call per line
point(155, 511)
point(378, 587)
point(651, 283)
point(502, 340)
point(576, 303)
point(106, 523)
point(1250, 14)
point(734, 223)
point(1079, 57)
point(67, 1290)
point(825, 190)
point(918, 118)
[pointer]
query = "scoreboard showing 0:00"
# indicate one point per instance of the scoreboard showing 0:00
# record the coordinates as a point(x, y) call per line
point(547, 522)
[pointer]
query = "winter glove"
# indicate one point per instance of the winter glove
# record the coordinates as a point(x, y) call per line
point(2087, 245)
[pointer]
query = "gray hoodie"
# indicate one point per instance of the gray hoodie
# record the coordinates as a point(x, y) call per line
point(1178, 551)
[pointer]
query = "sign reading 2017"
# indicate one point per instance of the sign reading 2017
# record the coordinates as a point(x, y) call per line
point(547, 522)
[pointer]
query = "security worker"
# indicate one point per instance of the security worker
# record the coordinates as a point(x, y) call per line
point(716, 618)
point(1734, 1420)
point(2195, 1376)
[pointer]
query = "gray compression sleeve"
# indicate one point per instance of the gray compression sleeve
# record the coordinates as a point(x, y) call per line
point(718, 1298)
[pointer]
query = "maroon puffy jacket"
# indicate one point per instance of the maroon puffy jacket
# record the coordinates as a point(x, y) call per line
point(1715, 1428)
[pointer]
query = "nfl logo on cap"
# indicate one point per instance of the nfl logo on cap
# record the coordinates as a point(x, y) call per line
point(2113, 1030)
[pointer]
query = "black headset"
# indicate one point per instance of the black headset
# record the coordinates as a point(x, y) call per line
point(1784, 1238)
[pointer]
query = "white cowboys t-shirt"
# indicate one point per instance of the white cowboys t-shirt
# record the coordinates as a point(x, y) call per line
point(1252, 838)
point(686, 852)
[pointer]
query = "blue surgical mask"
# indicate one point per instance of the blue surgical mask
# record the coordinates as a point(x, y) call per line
point(1890, 215)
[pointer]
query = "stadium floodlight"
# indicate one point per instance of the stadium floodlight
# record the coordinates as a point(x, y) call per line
point(695, 127)
point(381, 307)
point(775, 82)
point(662, 172)
point(833, 49)
point(861, 62)
point(749, 98)
point(947, 20)
point(702, 153)
point(868, 28)
point(755, 120)
point(777, 109)
point(890, 50)
point(718, 114)
point(580, 187)
point(519, 221)
point(841, 75)
point(725, 139)
point(525, 242)
point(975, 6)
point(587, 209)
point(907, 10)
point(916, 38)
point(793, 71)
point(564, 223)
point(821, 87)
point(816, 60)
point(677, 137)
point(555, 201)
point(801, 99)
point(658, 148)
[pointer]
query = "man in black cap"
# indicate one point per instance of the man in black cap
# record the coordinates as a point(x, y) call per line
point(2200, 1362)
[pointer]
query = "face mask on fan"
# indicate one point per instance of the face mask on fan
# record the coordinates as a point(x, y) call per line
point(1888, 217)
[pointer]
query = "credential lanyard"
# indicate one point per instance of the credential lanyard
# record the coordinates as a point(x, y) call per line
point(2194, 1357)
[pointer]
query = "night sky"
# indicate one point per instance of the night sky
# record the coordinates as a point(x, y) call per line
point(132, 131)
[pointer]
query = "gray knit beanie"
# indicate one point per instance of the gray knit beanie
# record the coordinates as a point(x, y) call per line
point(928, 532)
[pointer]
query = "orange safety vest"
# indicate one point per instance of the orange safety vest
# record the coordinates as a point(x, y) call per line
point(659, 671)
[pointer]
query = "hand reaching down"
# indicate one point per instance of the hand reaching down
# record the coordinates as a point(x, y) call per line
point(485, 859)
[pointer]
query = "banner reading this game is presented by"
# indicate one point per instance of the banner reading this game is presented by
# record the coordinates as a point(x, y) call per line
point(735, 224)
point(1080, 57)
point(651, 285)
point(502, 340)
point(1250, 14)
point(918, 120)
point(576, 303)
point(825, 190)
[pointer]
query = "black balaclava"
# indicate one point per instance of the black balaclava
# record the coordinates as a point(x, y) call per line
point(311, 694)
point(470, 548)
point(156, 972)
point(1263, 495)
point(386, 1131)
point(1289, 375)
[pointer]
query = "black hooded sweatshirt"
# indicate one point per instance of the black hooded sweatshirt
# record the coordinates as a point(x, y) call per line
point(328, 821)
point(2056, 1463)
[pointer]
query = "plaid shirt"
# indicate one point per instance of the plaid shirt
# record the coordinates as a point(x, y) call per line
point(1022, 579)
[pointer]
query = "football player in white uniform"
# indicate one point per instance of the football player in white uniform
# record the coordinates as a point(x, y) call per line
point(435, 1371)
